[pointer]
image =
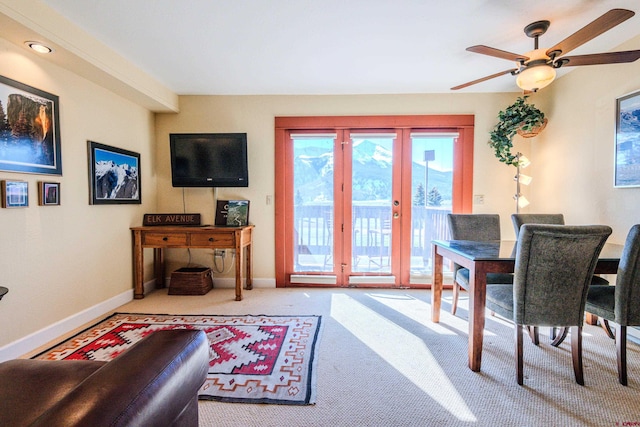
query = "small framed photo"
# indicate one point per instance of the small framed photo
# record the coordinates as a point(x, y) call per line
point(114, 175)
point(48, 193)
point(627, 154)
point(15, 194)
point(232, 213)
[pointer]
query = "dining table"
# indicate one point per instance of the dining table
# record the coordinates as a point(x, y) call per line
point(489, 257)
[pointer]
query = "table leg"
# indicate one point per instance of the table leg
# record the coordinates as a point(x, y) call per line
point(158, 267)
point(591, 319)
point(238, 267)
point(477, 296)
point(249, 262)
point(436, 286)
point(138, 266)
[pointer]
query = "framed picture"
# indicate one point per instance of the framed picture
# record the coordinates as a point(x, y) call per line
point(232, 213)
point(29, 129)
point(114, 175)
point(15, 194)
point(48, 193)
point(627, 155)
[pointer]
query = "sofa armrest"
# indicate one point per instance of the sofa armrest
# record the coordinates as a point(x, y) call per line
point(150, 384)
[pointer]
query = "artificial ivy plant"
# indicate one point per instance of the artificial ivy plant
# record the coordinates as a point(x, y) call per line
point(519, 116)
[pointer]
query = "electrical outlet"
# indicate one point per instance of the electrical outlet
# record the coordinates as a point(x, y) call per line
point(478, 199)
point(269, 199)
point(219, 252)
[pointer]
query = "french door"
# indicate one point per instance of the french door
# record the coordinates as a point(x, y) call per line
point(354, 204)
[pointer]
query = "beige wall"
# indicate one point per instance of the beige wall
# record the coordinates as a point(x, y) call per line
point(575, 155)
point(255, 115)
point(58, 261)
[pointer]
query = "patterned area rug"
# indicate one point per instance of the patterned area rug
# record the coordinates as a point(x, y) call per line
point(253, 359)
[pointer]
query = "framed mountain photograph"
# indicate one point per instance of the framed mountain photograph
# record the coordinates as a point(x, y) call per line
point(627, 154)
point(29, 129)
point(114, 175)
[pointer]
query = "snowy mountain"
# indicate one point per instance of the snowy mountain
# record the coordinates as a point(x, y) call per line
point(115, 181)
point(371, 174)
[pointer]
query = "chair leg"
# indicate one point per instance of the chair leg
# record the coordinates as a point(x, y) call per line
point(621, 348)
point(519, 362)
point(605, 325)
point(576, 353)
point(454, 302)
point(560, 336)
point(534, 334)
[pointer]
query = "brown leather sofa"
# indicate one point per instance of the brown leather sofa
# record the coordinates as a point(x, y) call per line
point(154, 383)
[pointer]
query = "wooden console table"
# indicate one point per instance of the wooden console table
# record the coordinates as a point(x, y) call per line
point(207, 237)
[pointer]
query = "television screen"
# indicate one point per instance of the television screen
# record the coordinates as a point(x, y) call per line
point(209, 160)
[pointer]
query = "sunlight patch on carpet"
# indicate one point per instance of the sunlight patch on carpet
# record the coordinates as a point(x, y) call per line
point(409, 354)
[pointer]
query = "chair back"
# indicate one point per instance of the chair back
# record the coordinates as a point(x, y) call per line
point(627, 292)
point(554, 265)
point(476, 227)
point(520, 219)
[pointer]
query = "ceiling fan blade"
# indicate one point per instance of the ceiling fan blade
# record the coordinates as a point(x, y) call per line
point(501, 73)
point(491, 51)
point(591, 31)
point(600, 58)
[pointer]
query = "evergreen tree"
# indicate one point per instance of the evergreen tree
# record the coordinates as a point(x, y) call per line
point(3, 118)
point(418, 199)
point(434, 198)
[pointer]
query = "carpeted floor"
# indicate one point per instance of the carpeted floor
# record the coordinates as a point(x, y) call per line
point(382, 362)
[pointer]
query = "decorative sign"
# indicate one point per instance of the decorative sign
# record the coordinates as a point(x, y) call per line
point(171, 219)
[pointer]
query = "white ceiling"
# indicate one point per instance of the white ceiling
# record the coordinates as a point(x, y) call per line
point(333, 46)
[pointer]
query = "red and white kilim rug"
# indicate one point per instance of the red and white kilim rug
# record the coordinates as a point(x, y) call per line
point(253, 359)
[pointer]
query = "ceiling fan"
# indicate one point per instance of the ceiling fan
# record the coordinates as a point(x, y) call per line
point(537, 68)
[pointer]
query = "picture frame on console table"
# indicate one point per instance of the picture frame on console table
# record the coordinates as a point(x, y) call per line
point(627, 148)
point(232, 213)
point(32, 129)
point(114, 175)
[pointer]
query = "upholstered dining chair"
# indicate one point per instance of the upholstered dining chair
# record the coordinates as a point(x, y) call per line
point(520, 219)
point(478, 228)
point(554, 265)
point(620, 303)
point(543, 218)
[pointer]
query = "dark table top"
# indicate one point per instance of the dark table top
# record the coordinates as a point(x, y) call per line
point(497, 250)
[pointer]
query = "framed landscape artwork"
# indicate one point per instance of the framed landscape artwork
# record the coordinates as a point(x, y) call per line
point(627, 154)
point(114, 175)
point(29, 129)
point(15, 194)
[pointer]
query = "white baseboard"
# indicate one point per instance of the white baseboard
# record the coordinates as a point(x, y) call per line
point(230, 282)
point(39, 338)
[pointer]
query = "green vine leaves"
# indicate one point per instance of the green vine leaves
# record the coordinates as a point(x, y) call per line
point(519, 116)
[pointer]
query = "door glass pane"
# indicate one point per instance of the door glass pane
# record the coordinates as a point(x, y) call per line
point(432, 188)
point(313, 202)
point(371, 189)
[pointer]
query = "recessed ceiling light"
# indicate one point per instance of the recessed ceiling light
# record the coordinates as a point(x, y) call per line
point(39, 47)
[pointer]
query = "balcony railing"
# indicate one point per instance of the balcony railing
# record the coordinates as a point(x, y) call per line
point(371, 233)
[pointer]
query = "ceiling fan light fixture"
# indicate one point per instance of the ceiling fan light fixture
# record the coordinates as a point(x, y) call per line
point(535, 77)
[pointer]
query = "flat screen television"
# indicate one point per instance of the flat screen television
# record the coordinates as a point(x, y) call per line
point(209, 160)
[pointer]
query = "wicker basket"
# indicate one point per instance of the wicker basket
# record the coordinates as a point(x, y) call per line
point(191, 281)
